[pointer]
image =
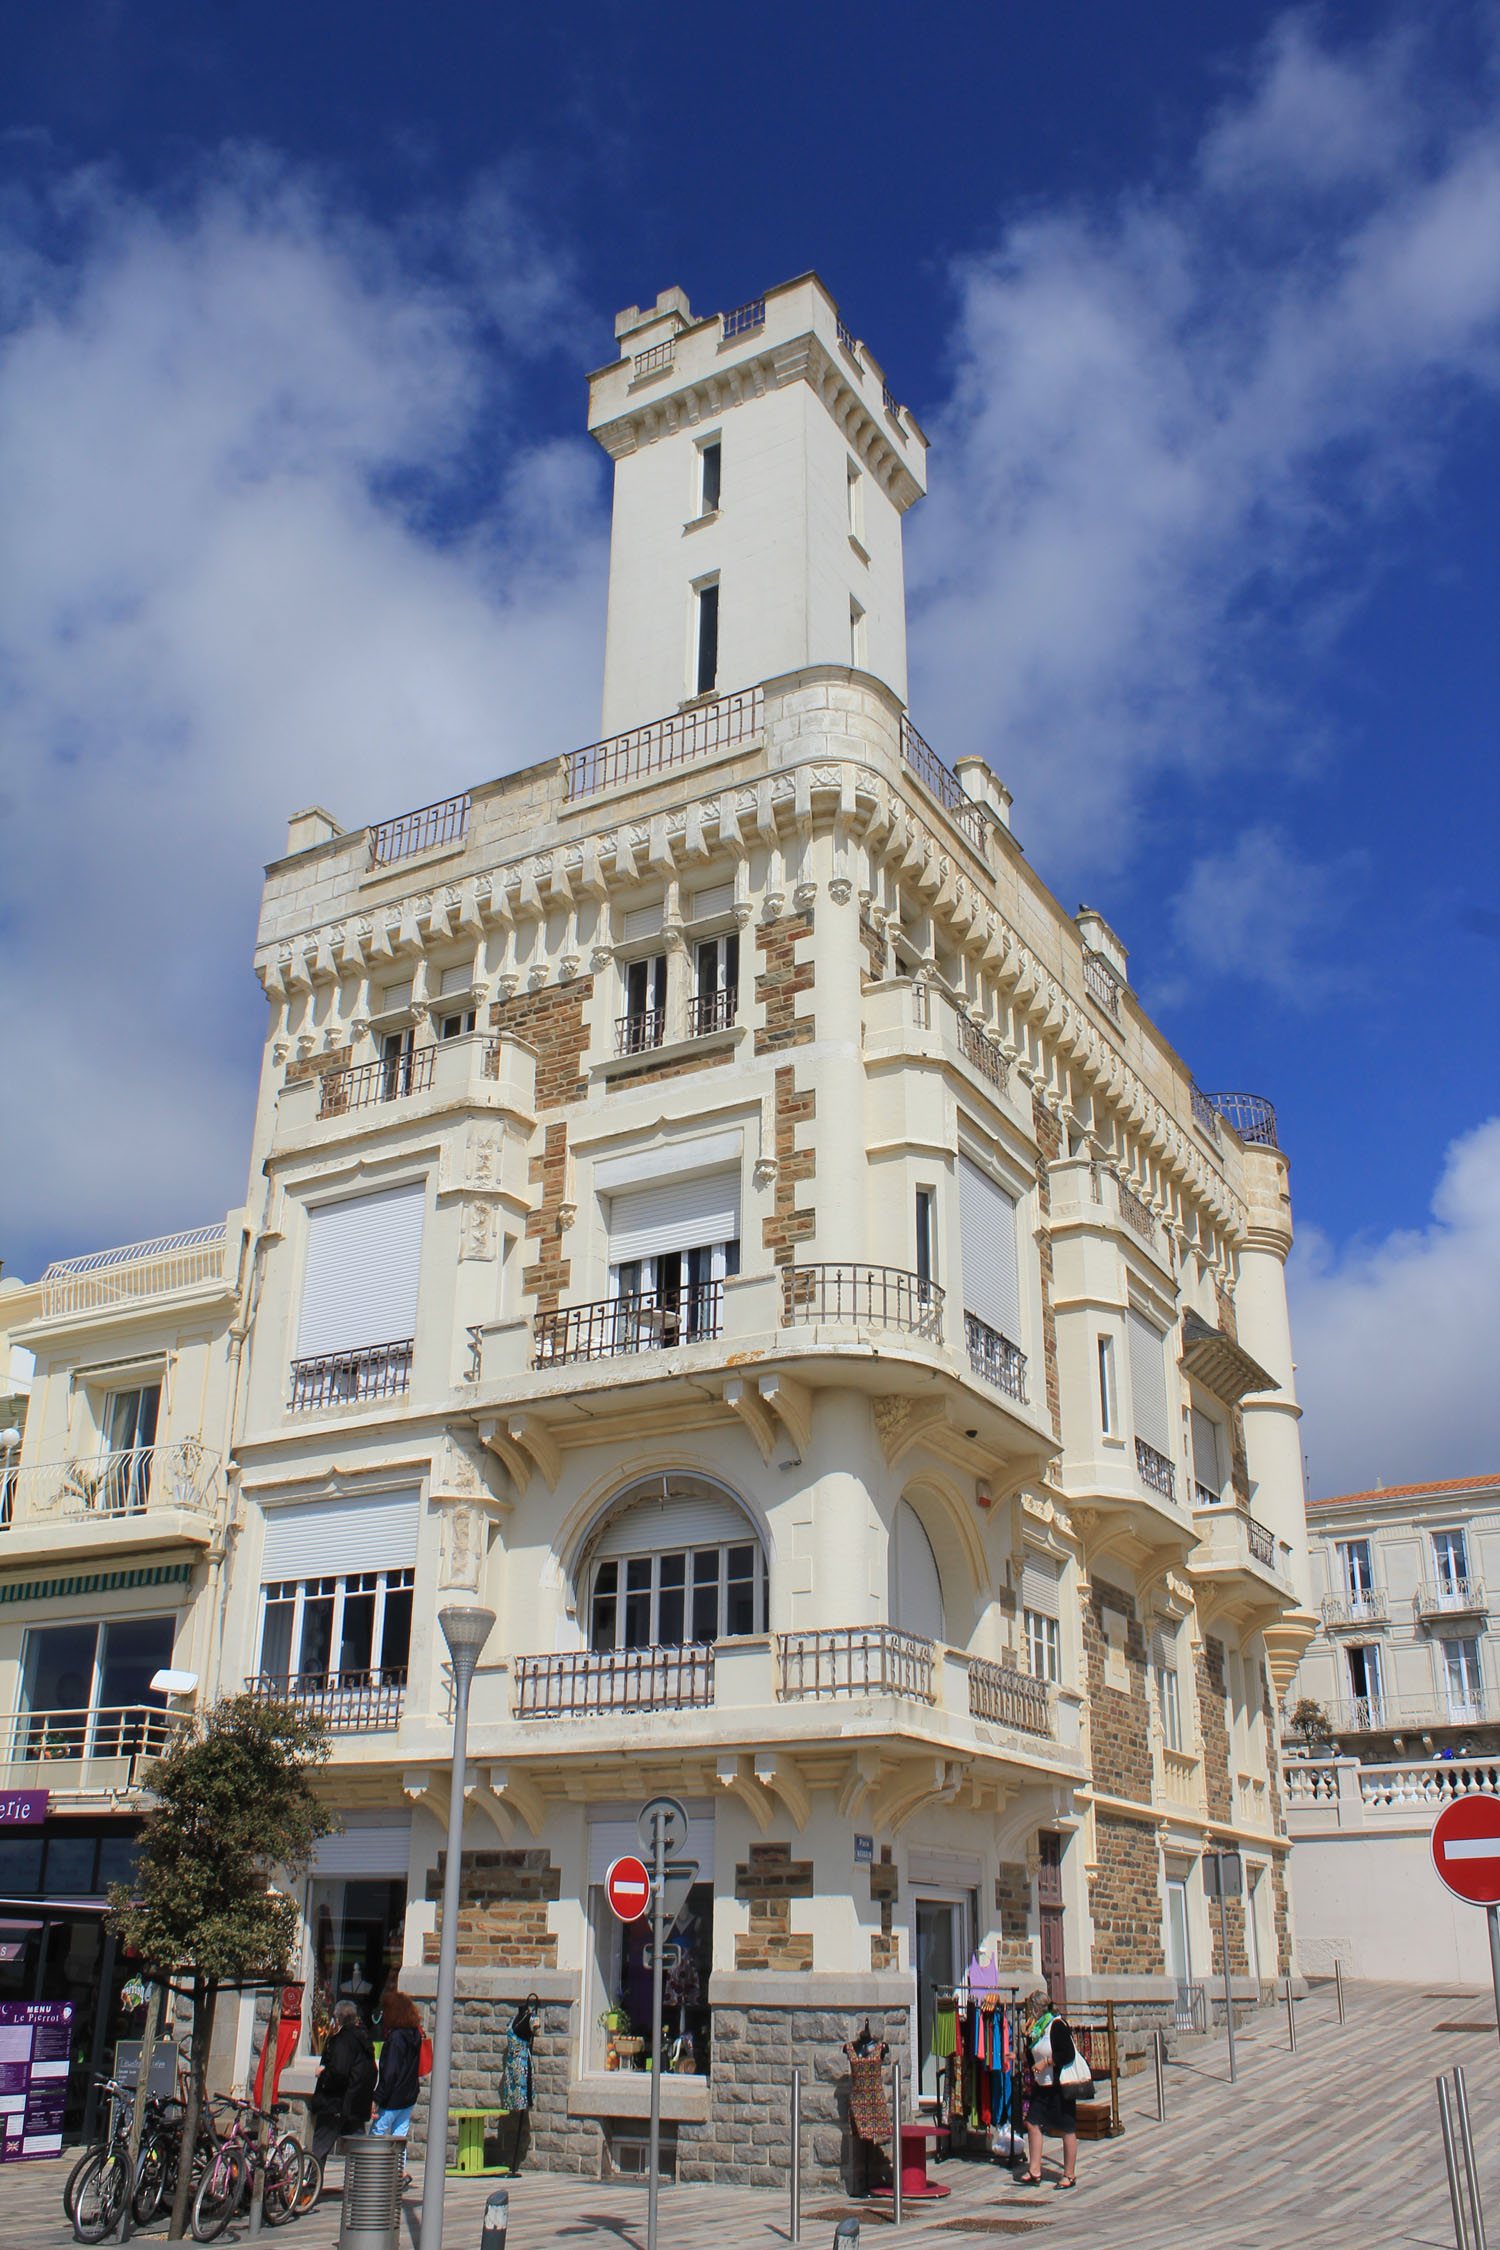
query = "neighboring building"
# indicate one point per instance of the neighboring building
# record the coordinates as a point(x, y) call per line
point(1405, 1673)
point(111, 1557)
point(720, 1211)
point(18, 1304)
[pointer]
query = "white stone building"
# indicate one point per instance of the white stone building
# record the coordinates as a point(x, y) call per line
point(713, 1205)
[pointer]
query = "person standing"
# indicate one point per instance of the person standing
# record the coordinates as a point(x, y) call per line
point(1053, 2109)
point(400, 2079)
point(346, 2083)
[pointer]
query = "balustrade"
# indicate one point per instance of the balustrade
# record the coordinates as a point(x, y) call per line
point(585, 1683)
point(346, 1702)
point(855, 1660)
point(872, 1296)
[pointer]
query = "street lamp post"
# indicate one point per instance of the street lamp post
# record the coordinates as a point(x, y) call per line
point(465, 1631)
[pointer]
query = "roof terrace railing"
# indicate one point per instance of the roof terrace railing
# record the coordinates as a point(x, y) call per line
point(744, 318)
point(139, 1269)
point(446, 822)
point(664, 743)
point(935, 777)
point(1251, 1115)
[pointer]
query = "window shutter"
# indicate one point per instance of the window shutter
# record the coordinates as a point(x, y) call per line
point(987, 1235)
point(324, 1538)
point(660, 1526)
point(639, 922)
point(1206, 1467)
point(363, 1258)
point(719, 899)
point(1040, 1575)
point(1148, 1383)
point(368, 1847)
point(674, 1214)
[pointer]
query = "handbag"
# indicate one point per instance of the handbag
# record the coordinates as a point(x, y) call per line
point(1076, 2078)
point(424, 2059)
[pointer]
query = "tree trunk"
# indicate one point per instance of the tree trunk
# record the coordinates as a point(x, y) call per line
point(205, 1998)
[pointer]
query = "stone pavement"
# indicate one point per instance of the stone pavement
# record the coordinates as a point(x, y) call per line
point(1334, 2146)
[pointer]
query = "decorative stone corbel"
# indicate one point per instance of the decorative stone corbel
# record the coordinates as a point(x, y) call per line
point(521, 1791)
point(536, 1439)
point(861, 1776)
point(792, 1406)
point(494, 1435)
point(900, 1422)
point(737, 1777)
point(775, 1771)
point(745, 1401)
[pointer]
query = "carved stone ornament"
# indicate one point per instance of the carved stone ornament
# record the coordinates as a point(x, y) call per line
point(763, 1171)
point(840, 890)
point(477, 1232)
point(482, 1162)
point(463, 1546)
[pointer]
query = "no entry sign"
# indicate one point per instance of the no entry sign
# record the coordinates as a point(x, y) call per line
point(627, 1886)
point(1466, 1848)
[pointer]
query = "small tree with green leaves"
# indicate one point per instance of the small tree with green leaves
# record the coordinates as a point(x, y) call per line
point(1310, 1720)
point(235, 1804)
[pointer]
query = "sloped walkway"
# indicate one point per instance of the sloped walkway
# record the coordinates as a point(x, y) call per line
point(1333, 2147)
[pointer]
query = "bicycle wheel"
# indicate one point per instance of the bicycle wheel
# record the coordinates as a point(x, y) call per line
point(102, 2194)
point(311, 2185)
point(218, 2196)
point(283, 2181)
point(150, 2180)
point(70, 2189)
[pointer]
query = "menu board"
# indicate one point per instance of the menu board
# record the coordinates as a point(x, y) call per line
point(35, 2043)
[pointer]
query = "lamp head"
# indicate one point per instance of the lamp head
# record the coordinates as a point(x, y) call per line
point(466, 1631)
point(10, 1438)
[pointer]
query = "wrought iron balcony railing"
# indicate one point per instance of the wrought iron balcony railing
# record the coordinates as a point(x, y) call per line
point(1101, 982)
point(577, 1685)
point(334, 1378)
point(986, 1054)
point(1155, 1470)
point(1367, 1606)
point(712, 1011)
point(384, 1081)
point(1452, 1597)
point(855, 1660)
point(127, 1483)
point(995, 1358)
point(1203, 1110)
point(651, 1321)
point(848, 342)
point(936, 778)
point(871, 1296)
point(655, 360)
point(1137, 1213)
point(638, 1034)
point(346, 1702)
point(1008, 1698)
point(446, 822)
point(1251, 1115)
point(1261, 1542)
point(653, 749)
point(139, 1269)
point(744, 318)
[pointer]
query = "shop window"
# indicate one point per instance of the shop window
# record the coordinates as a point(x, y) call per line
point(623, 1953)
point(357, 1930)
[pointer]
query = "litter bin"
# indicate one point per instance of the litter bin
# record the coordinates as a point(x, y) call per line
point(372, 2192)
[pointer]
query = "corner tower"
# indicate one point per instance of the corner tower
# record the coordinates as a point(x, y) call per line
point(762, 469)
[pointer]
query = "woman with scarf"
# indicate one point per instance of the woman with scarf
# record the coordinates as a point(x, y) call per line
point(1053, 2107)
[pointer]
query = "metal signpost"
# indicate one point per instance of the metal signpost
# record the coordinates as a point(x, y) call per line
point(1223, 1877)
point(1466, 1856)
point(662, 1828)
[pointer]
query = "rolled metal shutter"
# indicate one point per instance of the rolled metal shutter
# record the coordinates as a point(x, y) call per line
point(1148, 1383)
point(987, 1237)
point(325, 1538)
point(1206, 1464)
point(364, 1258)
point(662, 1526)
point(674, 1214)
point(1040, 1575)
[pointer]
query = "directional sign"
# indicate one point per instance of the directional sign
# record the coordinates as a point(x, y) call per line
point(682, 1874)
point(675, 1820)
point(1466, 1848)
point(627, 1886)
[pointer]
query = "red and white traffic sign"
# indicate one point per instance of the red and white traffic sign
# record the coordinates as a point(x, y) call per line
point(1466, 1848)
point(627, 1886)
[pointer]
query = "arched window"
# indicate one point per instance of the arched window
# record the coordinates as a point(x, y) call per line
point(682, 1565)
point(916, 1586)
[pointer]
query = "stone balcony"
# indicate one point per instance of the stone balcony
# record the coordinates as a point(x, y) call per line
point(474, 1074)
point(912, 1021)
point(1243, 1569)
point(197, 1268)
point(1330, 1793)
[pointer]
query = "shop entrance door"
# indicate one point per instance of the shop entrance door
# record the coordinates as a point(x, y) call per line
point(942, 1951)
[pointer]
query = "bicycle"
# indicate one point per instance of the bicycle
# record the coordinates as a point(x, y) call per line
point(101, 2182)
point(229, 2179)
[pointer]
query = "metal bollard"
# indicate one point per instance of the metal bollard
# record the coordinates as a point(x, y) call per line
point(794, 2228)
point(896, 2143)
point(1291, 2021)
point(1159, 2055)
point(496, 2220)
point(846, 2234)
point(1338, 1985)
point(1466, 2143)
point(1455, 2195)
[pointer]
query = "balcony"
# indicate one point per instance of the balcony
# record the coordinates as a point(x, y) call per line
point(446, 822)
point(651, 1321)
point(1367, 1606)
point(388, 1080)
point(1101, 983)
point(1251, 1115)
point(84, 1751)
point(107, 1485)
point(657, 359)
point(994, 1358)
point(1009, 1698)
point(347, 1702)
point(648, 751)
point(340, 1378)
point(580, 1685)
point(935, 777)
point(1204, 1113)
point(854, 1660)
point(712, 1011)
point(1451, 1597)
point(868, 1296)
point(1136, 1213)
point(744, 318)
point(1239, 1559)
point(985, 1054)
point(1395, 1713)
point(140, 1270)
point(1156, 1472)
point(637, 1035)
point(1181, 1782)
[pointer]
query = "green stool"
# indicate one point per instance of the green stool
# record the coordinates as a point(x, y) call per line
point(471, 2124)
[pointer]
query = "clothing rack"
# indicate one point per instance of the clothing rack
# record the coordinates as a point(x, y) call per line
point(979, 2096)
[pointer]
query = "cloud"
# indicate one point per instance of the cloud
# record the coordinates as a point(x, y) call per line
point(1263, 911)
point(274, 534)
point(1181, 423)
point(1395, 1338)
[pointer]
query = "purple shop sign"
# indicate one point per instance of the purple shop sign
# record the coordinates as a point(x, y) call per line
point(22, 1808)
point(35, 2043)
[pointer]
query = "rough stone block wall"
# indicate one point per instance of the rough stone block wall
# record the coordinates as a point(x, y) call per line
point(551, 1021)
point(1278, 1859)
point(549, 2139)
point(1119, 1719)
point(780, 983)
point(873, 942)
point(746, 2141)
point(548, 1276)
point(1013, 1910)
point(769, 1881)
point(787, 1225)
point(1049, 1145)
point(885, 1889)
point(315, 1066)
point(1214, 1728)
point(502, 1909)
point(1125, 1898)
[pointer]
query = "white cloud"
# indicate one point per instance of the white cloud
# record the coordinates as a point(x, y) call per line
point(1395, 1338)
point(241, 570)
point(1179, 422)
point(1262, 910)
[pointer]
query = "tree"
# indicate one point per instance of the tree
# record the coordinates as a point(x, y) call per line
point(235, 1802)
point(1310, 1720)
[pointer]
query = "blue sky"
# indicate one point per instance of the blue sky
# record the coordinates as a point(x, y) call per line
point(1201, 311)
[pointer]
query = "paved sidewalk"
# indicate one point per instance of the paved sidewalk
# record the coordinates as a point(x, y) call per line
point(1333, 2147)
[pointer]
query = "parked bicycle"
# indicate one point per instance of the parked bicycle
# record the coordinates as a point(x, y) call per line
point(291, 2178)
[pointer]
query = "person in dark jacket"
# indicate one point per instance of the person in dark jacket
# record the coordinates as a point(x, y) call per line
point(400, 2078)
point(1052, 2109)
point(346, 2083)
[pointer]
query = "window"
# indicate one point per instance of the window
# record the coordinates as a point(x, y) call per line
point(856, 636)
point(453, 1027)
point(992, 1278)
point(1043, 1649)
point(87, 1688)
point(707, 672)
point(644, 1024)
point(856, 500)
point(1364, 1677)
point(1148, 1384)
point(924, 1243)
point(675, 1297)
point(1169, 1706)
point(1355, 1573)
point(693, 1595)
point(1464, 1679)
point(350, 1627)
point(359, 1297)
point(129, 1433)
point(1450, 1560)
point(715, 1001)
point(1208, 1459)
point(396, 1051)
point(710, 470)
point(1107, 1409)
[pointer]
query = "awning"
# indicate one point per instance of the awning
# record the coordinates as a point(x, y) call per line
point(1217, 1362)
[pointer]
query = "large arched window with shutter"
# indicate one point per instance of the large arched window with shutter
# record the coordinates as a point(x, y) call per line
point(678, 1563)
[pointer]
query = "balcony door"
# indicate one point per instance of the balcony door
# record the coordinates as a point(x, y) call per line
point(129, 1434)
point(1464, 1679)
point(1450, 1561)
point(1365, 1684)
point(673, 1243)
point(1356, 1574)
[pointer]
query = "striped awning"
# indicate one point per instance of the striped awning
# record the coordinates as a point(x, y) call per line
point(96, 1582)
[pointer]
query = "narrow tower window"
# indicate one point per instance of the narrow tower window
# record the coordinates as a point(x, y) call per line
point(711, 457)
point(856, 504)
point(708, 638)
point(856, 636)
point(924, 1234)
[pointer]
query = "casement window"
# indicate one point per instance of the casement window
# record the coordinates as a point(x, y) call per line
point(1365, 1684)
point(1168, 1702)
point(396, 1051)
point(706, 667)
point(1043, 1647)
point(669, 1573)
point(86, 1688)
point(1465, 1680)
point(710, 476)
point(359, 1297)
point(1450, 1560)
point(1041, 1577)
point(715, 1001)
point(1209, 1456)
point(1109, 1413)
point(644, 1023)
point(454, 1027)
point(991, 1262)
point(1356, 1572)
point(351, 1626)
point(924, 1234)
